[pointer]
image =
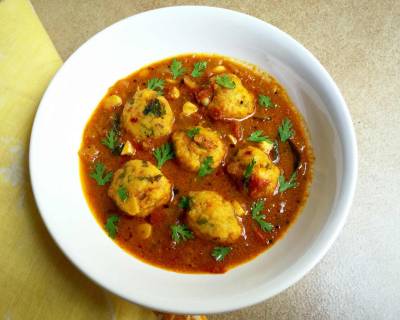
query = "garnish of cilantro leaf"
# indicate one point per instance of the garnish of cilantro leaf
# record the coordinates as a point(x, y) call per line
point(285, 130)
point(192, 132)
point(256, 136)
point(257, 216)
point(225, 81)
point(199, 68)
point(176, 69)
point(184, 202)
point(286, 185)
point(111, 141)
point(122, 193)
point(205, 167)
point(100, 175)
point(248, 171)
point(219, 253)
point(156, 84)
point(265, 101)
point(164, 153)
point(180, 232)
point(111, 225)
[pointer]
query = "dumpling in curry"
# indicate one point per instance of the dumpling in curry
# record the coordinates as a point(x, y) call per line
point(212, 217)
point(194, 145)
point(231, 99)
point(147, 115)
point(261, 178)
point(139, 187)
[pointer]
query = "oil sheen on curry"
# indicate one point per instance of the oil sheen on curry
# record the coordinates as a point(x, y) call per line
point(196, 163)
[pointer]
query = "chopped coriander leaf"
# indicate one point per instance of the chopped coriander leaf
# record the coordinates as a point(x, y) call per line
point(184, 202)
point(111, 225)
point(264, 225)
point(122, 193)
point(219, 253)
point(205, 167)
point(257, 216)
point(156, 85)
point(163, 154)
point(176, 68)
point(265, 101)
point(100, 175)
point(285, 185)
point(248, 171)
point(257, 207)
point(199, 68)
point(225, 81)
point(111, 140)
point(256, 136)
point(154, 107)
point(192, 132)
point(112, 143)
point(180, 232)
point(285, 130)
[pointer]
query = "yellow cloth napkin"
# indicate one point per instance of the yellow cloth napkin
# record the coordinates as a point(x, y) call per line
point(36, 280)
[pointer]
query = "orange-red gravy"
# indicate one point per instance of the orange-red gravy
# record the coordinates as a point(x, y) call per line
point(195, 255)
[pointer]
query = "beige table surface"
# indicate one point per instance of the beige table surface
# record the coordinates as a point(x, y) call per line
point(359, 44)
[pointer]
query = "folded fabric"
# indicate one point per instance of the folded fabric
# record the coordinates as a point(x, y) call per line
point(36, 280)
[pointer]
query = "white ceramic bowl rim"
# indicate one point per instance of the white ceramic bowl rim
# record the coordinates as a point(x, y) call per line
point(337, 109)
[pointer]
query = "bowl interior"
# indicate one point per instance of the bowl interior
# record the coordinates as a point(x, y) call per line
point(151, 36)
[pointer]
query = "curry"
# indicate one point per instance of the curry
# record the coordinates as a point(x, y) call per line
point(196, 163)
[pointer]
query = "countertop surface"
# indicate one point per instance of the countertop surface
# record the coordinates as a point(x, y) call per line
point(358, 42)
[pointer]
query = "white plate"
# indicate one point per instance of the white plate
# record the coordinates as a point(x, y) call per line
point(147, 37)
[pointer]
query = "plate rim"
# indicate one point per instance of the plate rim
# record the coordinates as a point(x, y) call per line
point(350, 149)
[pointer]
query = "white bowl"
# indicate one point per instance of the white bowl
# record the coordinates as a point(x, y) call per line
point(147, 37)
